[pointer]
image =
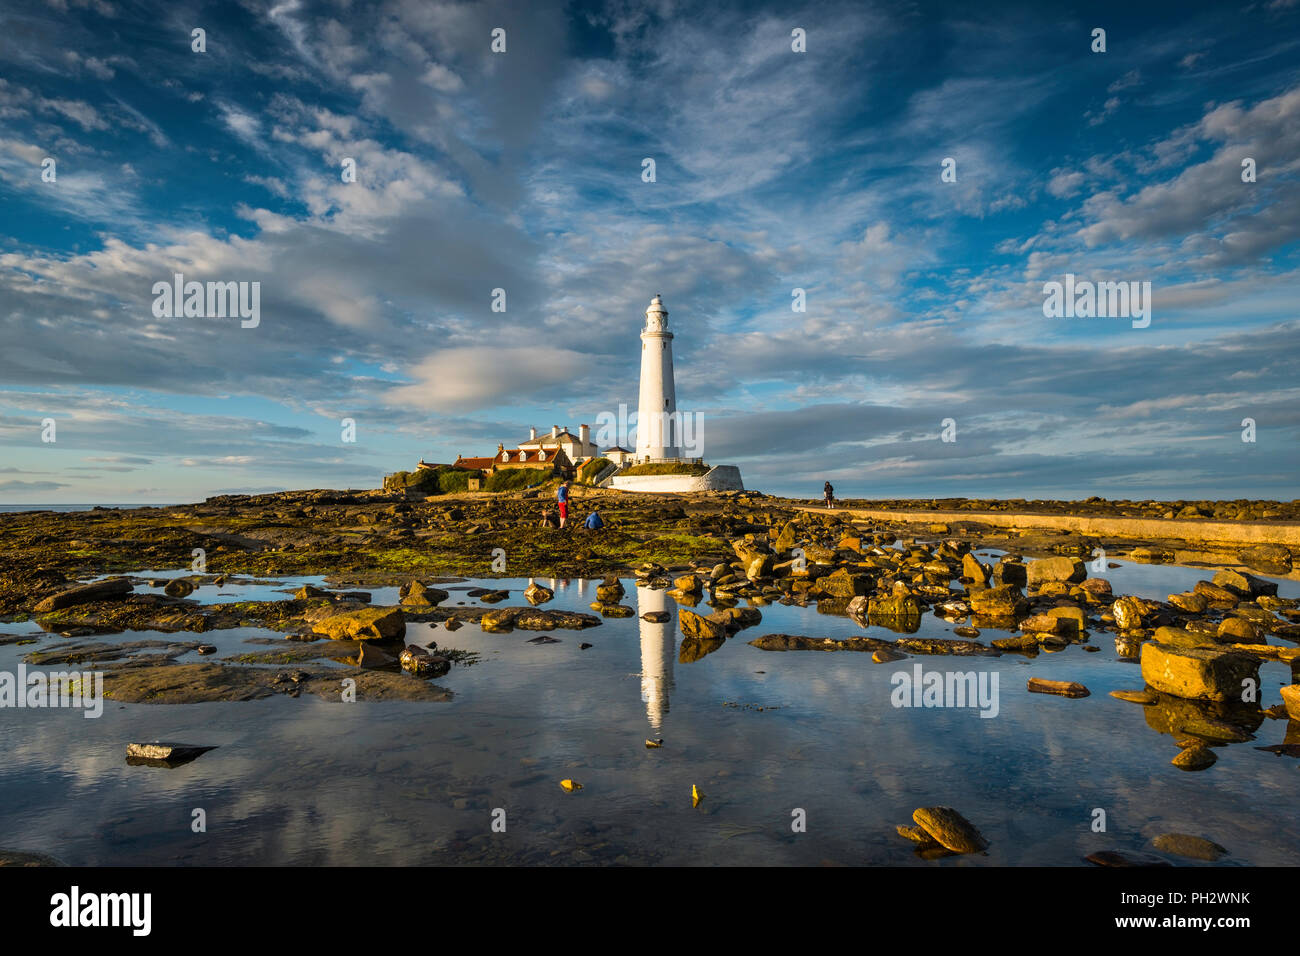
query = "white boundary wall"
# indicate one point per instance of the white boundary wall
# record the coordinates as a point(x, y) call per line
point(718, 478)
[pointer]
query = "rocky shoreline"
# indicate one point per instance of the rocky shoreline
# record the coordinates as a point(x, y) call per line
point(1044, 593)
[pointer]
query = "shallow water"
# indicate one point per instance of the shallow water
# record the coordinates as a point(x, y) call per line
point(761, 734)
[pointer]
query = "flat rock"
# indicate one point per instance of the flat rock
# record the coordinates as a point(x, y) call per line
point(1199, 673)
point(1192, 847)
point(367, 624)
point(160, 754)
point(950, 829)
point(84, 593)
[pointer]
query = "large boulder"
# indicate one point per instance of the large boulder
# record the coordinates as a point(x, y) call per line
point(1070, 570)
point(368, 624)
point(1244, 585)
point(895, 610)
point(843, 584)
point(1129, 613)
point(700, 628)
point(973, 571)
point(537, 594)
point(416, 594)
point(1198, 673)
point(950, 829)
point(1003, 601)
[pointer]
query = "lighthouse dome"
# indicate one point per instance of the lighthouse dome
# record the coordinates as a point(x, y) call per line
point(656, 317)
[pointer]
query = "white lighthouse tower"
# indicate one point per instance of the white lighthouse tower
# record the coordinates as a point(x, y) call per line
point(657, 424)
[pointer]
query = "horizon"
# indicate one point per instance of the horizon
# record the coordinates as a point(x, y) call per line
point(781, 178)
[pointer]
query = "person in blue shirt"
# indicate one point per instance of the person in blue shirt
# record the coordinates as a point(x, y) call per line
point(562, 499)
point(593, 522)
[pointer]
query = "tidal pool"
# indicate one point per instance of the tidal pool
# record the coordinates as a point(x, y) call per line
point(763, 735)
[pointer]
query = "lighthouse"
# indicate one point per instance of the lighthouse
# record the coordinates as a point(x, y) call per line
point(657, 425)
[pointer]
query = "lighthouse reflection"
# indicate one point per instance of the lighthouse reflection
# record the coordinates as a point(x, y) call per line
point(658, 648)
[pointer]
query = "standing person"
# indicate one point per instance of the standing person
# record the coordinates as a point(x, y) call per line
point(829, 492)
point(562, 499)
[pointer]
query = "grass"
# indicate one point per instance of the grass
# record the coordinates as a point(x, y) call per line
point(666, 468)
point(516, 479)
point(588, 472)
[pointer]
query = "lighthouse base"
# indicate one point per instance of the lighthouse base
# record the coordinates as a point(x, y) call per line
point(718, 478)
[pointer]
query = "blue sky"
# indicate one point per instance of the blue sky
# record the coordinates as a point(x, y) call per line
point(775, 170)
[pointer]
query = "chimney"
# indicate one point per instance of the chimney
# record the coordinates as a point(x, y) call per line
point(555, 431)
point(532, 432)
point(584, 436)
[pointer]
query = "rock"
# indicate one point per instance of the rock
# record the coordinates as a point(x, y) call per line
point(950, 829)
point(894, 610)
point(452, 624)
point(1074, 620)
point(614, 610)
point(1041, 624)
point(843, 584)
point(367, 624)
point(85, 593)
point(1237, 630)
point(1199, 673)
point(1244, 585)
point(1003, 601)
point(307, 591)
point(537, 594)
point(916, 835)
point(737, 618)
point(1098, 588)
point(1129, 612)
point(700, 628)
point(1192, 847)
point(418, 661)
point(968, 632)
point(1218, 597)
point(415, 594)
point(887, 656)
point(973, 571)
point(1291, 700)
point(1021, 642)
point(499, 619)
point(1038, 685)
point(1195, 757)
point(1011, 572)
point(1070, 570)
point(688, 584)
point(1190, 601)
point(656, 617)
point(1181, 637)
point(569, 786)
point(206, 649)
point(160, 754)
point(179, 588)
point(611, 591)
point(1267, 558)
